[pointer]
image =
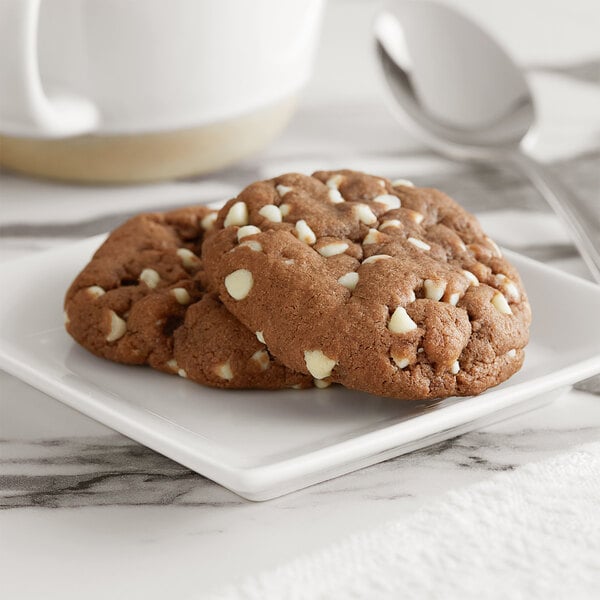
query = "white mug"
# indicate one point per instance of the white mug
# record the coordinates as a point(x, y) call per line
point(186, 85)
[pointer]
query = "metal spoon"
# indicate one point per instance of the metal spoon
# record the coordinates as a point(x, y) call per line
point(454, 87)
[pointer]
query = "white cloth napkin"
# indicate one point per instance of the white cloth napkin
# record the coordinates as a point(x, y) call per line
point(530, 533)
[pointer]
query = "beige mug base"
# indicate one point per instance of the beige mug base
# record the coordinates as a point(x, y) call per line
point(146, 157)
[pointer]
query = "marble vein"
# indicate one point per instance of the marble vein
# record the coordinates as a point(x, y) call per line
point(69, 473)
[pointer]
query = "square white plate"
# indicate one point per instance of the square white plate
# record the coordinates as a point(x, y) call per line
point(265, 444)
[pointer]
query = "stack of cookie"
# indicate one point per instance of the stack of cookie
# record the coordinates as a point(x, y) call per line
point(340, 277)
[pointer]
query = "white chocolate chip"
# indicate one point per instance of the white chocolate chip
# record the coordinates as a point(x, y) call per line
point(365, 214)
point(454, 298)
point(188, 258)
point(388, 200)
point(509, 287)
point(260, 337)
point(224, 371)
point(289, 261)
point(335, 196)
point(412, 296)
point(462, 246)
point(373, 237)
point(66, 318)
point(181, 295)
point(150, 277)
point(512, 290)
point(403, 182)
point(262, 358)
point(401, 361)
point(284, 209)
point(334, 181)
point(472, 278)
point(253, 245)
point(247, 230)
point(455, 368)
point(95, 291)
point(208, 221)
point(282, 190)
point(511, 353)
point(416, 216)
point(500, 304)
point(494, 246)
point(390, 223)
point(118, 327)
point(271, 212)
point(319, 383)
point(400, 322)
point(420, 350)
point(237, 215)
point(333, 249)
point(172, 364)
point(418, 243)
point(182, 373)
point(375, 258)
point(305, 233)
point(239, 283)
point(296, 386)
point(381, 182)
point(434, 290)
point(318, 365)
point(349, 280)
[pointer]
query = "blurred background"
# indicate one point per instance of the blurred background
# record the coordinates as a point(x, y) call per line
point(340, 120)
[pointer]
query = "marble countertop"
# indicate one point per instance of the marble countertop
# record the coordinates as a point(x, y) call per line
point(87, 512)
point(92, 508)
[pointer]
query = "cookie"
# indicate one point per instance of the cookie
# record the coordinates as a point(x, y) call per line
point(142, 300)
point(380, 286)
point(133, 294)
point(213, 348)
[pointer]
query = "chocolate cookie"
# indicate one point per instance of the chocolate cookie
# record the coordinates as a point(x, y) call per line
point(133, 294)
point(380, 286)
point(214, 348)
point(142, 300)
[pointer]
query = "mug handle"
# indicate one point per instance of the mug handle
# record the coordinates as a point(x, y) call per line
point(25, 109)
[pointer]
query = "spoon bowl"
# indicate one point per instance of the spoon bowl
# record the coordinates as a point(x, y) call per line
point(453, 86)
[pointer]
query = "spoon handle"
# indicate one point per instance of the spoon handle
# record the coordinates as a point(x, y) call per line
point(582, 220)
